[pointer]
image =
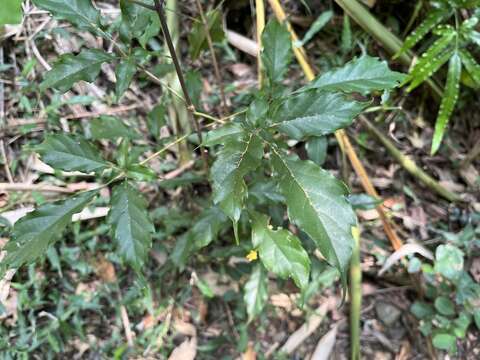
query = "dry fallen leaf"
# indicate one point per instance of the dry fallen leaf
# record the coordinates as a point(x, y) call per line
point(187, 350)
point(250, 354)
point(105, 270)
point(325, 345)
point(302, 333)
point(475, 269)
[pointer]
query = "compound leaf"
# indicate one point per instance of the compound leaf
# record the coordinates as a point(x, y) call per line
point(280, 251)
point(433, 18)
point(317, 205)
point(315, 113)
point(11, 12)
point(449, 99)
point(131, 226)
point(363, 75)
point(80, 13)
point(234, 161)
point(256, 291)
point(277, 53)
point(69, 153)
point(69, 69)
point(33, 233)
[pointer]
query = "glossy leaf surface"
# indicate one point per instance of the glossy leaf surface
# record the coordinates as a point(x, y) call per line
point(280, 251)
point(33, 233)
point(131, 226)
point(317, 205)
point(69, 69)
point(70, 153)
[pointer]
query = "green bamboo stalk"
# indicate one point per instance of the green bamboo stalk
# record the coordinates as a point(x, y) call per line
point(355, 296)
point(178, 114)
point(379, 32)
point(408, 164)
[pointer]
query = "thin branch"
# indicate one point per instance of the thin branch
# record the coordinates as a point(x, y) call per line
point(178, 69)
point(214, 57)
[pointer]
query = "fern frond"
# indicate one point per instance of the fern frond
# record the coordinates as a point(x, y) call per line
point(472, 67)
point(450, 96)
point(431, 60)
point(432, 19)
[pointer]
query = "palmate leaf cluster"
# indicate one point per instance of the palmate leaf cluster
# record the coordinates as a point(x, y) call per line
point(453, 39)
point(253, 145)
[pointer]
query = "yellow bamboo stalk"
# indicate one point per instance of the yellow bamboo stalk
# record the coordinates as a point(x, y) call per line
point(341, 136)
point(260, 17)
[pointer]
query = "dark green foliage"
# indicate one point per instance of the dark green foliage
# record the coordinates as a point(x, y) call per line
point(32, 234)
point(449, 46)
point(255, 176)
point(69, 69)
point(131, 225)
point(70, 153)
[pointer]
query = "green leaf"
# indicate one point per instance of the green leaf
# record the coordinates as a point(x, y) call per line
point(315, 113)
point(431, 60)
point(131, 226)
point(317, 149)
point(110, 127)
point(363, 201)
point(444, 306)
point(11, 12)
point(256, 292)
point(363, 75)
point(140, 173)
point(422, 310)
point(476, 317)
point(449, 261)
point(433, 18)
point(449, 99)
point(70, 153)
point(207, 227)
point(141, 23)
point(156, 119)
point(197, 37)
point(69, 69)
point(33, 233)
point(318, 25)
point(80, 13)
point(317, 205)
point(280, 251)
point(461, 324)
point(277, 52)
point(444, 341)
point(221, 134)
point(124, 73)
point(473, 68)
point(238, 157)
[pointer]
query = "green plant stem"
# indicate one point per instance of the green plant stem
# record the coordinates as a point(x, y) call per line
point(355, 296)
point(384, 36)
point(408, 164)
point(181, 79)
